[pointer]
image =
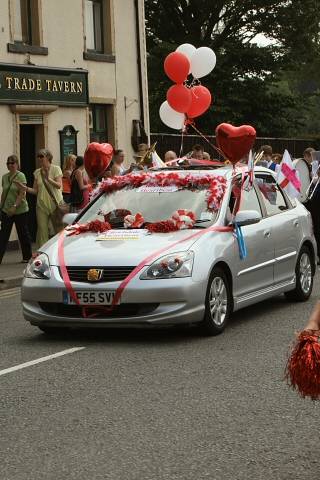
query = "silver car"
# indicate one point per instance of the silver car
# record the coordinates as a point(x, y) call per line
point(193, 276)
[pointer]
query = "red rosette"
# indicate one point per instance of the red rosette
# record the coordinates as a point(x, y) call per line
point(303, 367)
point(133, 221)
point(183, 219)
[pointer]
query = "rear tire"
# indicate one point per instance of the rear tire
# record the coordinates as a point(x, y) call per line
point(304, 277)
point(218, 303)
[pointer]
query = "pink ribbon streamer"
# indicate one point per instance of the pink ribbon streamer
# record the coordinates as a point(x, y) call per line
point(135, 271)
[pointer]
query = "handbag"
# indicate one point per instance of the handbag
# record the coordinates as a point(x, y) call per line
point(60, 210)
point(5, 198)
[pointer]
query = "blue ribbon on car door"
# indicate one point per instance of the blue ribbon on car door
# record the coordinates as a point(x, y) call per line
point(243, 252)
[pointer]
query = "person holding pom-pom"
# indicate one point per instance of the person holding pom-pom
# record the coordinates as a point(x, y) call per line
point(314, 320)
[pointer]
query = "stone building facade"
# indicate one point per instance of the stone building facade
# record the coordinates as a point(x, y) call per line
point(71, 72)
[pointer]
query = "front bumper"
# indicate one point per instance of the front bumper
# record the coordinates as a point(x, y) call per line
point(144, 302)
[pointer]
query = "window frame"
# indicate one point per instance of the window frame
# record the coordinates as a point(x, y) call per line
point(106, 29)
point(98, 135)
point(101, 26)
point(261, 205)
point(33, 44)
point(25, 22)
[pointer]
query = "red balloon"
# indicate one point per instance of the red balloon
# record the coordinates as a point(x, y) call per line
point(235, 142)
point(179, 98)
point(177, 66)
point(200, 101)
point(97, 157)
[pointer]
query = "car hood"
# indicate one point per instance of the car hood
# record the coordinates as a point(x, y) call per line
point(85, 250)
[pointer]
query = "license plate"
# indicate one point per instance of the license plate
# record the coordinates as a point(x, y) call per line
point(85, 297)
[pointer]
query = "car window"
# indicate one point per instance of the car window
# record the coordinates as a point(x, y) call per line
point(249, 199)
point(271, 194)
point(154, 206)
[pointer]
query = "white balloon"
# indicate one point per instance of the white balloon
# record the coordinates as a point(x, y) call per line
point(170, 117)
point(187, 49)
point(202, 62)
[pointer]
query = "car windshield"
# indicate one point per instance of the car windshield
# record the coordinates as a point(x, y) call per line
point(154, 206)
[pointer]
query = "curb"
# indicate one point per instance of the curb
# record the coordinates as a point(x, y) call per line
point(10, 282)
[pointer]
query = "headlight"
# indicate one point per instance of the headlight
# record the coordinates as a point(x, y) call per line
point(176, 265)
point(38, 267)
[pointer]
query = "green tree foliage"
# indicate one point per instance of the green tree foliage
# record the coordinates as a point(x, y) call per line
point(274, 87)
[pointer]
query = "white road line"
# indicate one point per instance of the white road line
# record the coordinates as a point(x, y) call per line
point(39, 360)
point(10, 292)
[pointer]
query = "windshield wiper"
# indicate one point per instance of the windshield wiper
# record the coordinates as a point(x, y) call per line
point(199, 220)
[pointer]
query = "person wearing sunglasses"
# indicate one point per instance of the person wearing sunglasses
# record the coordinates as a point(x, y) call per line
point(47, 186)
point(14, 209)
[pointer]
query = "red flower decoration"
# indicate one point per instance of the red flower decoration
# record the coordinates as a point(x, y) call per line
point(164, 226)
point(94, 226)
point(180, 220)
point(216, 185)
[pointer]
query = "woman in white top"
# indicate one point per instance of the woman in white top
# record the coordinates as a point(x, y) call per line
point(47, 186)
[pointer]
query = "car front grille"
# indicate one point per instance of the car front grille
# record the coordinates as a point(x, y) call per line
point(123, 310)
point(110, 274)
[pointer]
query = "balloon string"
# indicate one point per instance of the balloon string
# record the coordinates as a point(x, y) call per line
point(208, 141)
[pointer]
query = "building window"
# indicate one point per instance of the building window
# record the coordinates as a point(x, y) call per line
point(26, 27)
point(94, 26)
point(98, 121)
point(26, 22)
point(98, 20)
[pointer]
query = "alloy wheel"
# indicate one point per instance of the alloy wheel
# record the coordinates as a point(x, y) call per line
point(218, 300)
point(305, 272)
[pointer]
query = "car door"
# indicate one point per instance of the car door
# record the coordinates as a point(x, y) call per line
point(285, 226)
point(255, 272)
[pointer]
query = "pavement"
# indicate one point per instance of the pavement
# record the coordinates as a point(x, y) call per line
point(11, 270)
point(165, 404)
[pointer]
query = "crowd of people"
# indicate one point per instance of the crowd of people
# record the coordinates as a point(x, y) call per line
point(53, 187)
point(71, 186)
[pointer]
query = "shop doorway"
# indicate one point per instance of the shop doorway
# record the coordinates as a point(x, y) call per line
point(31, 139)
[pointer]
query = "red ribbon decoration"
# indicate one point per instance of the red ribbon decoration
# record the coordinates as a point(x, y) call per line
point(154, 255)
point(63, 269)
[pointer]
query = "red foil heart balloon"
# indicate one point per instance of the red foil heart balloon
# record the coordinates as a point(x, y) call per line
point(235, 142)
point(97, 157)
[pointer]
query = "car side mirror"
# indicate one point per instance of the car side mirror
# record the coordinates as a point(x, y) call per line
point(69, 218)
point(247, 217)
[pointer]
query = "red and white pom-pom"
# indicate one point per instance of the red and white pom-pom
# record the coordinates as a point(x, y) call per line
point(183, 219)
point(133, 221)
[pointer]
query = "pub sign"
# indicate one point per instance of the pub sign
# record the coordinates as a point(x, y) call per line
point(24, 84)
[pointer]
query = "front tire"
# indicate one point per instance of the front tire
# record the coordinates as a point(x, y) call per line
point(304, 277)
point(218, 303)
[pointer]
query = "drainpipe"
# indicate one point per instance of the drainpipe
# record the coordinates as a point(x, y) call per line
point(136, 5)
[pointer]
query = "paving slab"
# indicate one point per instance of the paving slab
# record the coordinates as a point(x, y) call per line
point(11, 270)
